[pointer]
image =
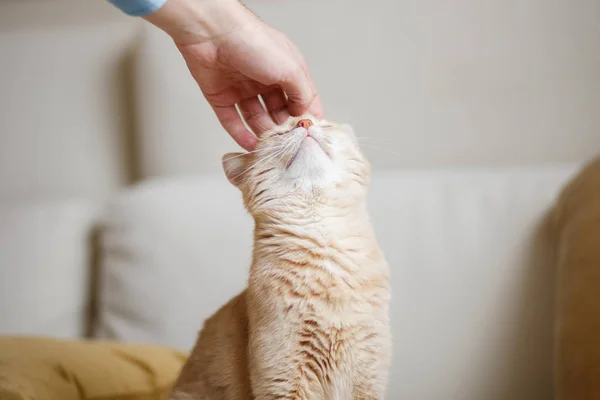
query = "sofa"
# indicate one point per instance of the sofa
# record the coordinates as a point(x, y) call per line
point(118, 228)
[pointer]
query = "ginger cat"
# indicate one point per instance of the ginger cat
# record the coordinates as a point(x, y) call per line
point(313, 323)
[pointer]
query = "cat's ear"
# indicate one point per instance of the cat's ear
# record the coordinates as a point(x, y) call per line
point(234, 165)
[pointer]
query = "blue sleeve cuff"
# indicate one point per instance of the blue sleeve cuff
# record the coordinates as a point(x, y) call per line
point(138, 8)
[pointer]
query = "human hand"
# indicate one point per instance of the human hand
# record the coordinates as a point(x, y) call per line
point(234, 57)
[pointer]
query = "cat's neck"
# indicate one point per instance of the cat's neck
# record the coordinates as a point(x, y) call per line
point(333, 222)
point(316, 234)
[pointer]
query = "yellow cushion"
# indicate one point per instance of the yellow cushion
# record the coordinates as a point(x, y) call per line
point(578, 296)
point(51, 369)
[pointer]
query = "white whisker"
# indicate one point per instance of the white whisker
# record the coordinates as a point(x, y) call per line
point(260, 125)
point(288, 146)
point(242, 155)
point(252, 152)
point(261, 161)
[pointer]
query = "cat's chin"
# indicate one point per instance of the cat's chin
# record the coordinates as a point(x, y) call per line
point(311, 163)
point(309, 148)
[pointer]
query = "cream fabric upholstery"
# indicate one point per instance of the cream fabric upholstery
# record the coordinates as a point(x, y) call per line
point(161, 244)
point(45, 267)
point(65, 144)
point(473, 277)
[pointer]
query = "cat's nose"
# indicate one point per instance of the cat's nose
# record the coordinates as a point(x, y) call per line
point(305, 123)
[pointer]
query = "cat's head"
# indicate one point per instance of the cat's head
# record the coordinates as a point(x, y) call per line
point(302, 160)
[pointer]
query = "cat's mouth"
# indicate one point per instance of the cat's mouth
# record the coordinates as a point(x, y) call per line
point(308, 140)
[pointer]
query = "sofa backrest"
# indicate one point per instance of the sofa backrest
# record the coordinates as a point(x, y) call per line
point(472, 273)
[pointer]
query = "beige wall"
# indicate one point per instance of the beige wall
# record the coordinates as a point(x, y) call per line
point(64, 112)
point(457, 82)
point(434, 83)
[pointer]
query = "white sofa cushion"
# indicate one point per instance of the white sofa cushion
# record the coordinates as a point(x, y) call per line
point(472, 305)
point(45, 266)
point(173, 252)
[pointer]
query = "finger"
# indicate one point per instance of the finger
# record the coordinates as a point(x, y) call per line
point(315, 108)
point(298, 90)
point(276, 104)
point(257, 118)
point(231, 121)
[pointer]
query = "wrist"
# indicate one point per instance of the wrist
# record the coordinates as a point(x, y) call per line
point(194, 21)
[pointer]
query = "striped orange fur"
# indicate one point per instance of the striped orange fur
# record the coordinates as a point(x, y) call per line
point(313, 322)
